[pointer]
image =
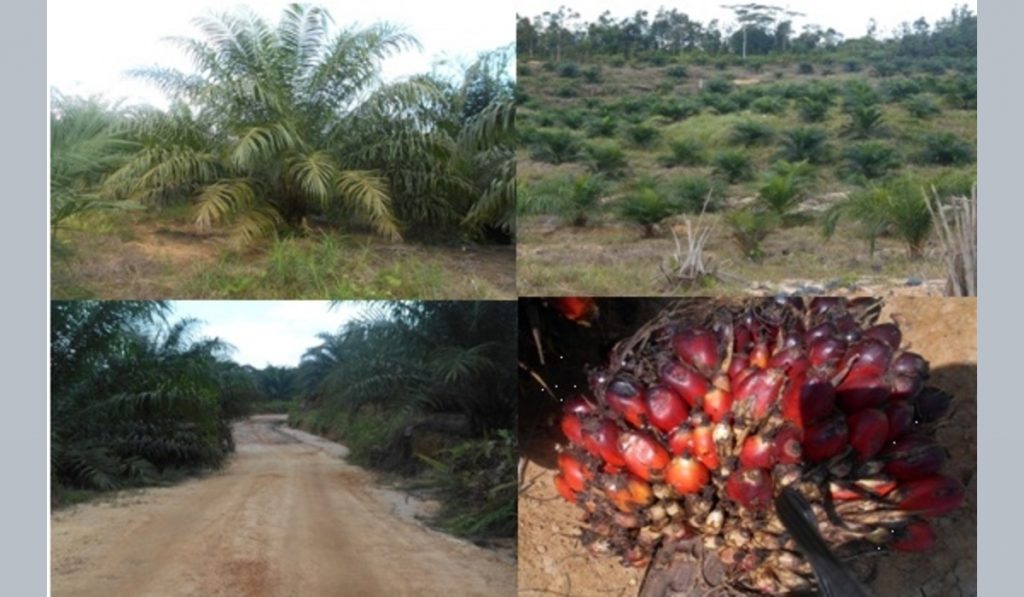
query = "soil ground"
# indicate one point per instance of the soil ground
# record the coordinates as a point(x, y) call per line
point(287, 516)
point(552, 560)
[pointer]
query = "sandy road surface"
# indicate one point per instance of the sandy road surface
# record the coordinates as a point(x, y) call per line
point(286, 517)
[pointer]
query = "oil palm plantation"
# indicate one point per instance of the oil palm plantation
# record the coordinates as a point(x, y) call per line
point(133, 395)
point(276, 124)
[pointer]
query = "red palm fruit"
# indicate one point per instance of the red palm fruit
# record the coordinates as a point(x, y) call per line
point(575, 473)
point(686, 475)
point(787, 444)
point(738, 364)
point(680, 441)
point(665, 408)
point(564, 490)
point(576, 308)
point(932, 404)
point(751, 488)
point(792, 339)
point(826, 350)
point(904, 386)
point(867, 358)
point(625, 398)
point(760, 355)
point(643, 455)
point(757, 452)
point(886, 332)
point(616, 488)
point(913, 457)
point(602, 440)
point(742, 339)
point(688, 383)
point(821, 305)
point(639, 491)
point(718, 403)
point(931, 496)
point(879, 487)
point(819, 332)
point(703, 446)
point(910, 364)
point(697, 347)
point(759, 392)
point(574, 410)
point(862, 390)
point(825, 439)
point(868, 431)
point(901, 418)
point(917, 536)
point(791, 360)
point(807, 401)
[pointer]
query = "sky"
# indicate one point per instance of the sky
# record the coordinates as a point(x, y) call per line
point(849, 18)
point(91, 44)
point(267, 332)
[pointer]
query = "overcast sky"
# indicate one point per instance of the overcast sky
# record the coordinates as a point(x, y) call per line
point(848, 17)
point(267, 332)
point(91, 44)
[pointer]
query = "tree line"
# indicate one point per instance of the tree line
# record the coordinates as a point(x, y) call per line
point(759, 29)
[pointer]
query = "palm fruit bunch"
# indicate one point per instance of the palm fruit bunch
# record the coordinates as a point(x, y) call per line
point(690, 431)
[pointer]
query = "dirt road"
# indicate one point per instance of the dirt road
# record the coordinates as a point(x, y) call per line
point(286, 516)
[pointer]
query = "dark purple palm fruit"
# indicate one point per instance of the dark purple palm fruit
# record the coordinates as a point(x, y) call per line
point(696, 424)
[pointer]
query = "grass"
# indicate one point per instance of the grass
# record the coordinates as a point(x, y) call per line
point(612, 261)
point(144, 257)
point(755, 119)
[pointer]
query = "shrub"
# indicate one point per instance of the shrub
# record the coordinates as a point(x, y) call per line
point(566, 91)
point(572, 198)
point(592, 74)
point(692, 191)
point(719, 86)
point(646, 207)
point(733, 165)
point(677, 71)
point(865, 121)
point(921, 106)
point(805, 68)
point(946, 149)
point(676, 110)
point(684, 152)
point(604, 126)
point(642, 135)
point(572, 118)
point(896, 90)
point(721, 104)
point(785, 187)
point(897, 208)
point(812, 110)
point(961, 92)
point(805, 144)
point(569, 70)
point(871, 159)
point(749, 228)
point(751, 132)
point(556, 146)
point(768, 105)
point(851, 66)
point(606, 158)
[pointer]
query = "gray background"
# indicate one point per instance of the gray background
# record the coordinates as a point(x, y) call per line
point(23, 503)
point(23, 300)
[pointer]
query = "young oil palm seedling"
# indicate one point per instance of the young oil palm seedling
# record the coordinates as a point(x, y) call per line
point(647, 207)
point(897, 208)
point(785, 187)
point(694, 425)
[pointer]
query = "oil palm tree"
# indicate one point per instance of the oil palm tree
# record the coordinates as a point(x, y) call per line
point(271, 126)
point(87, 140)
